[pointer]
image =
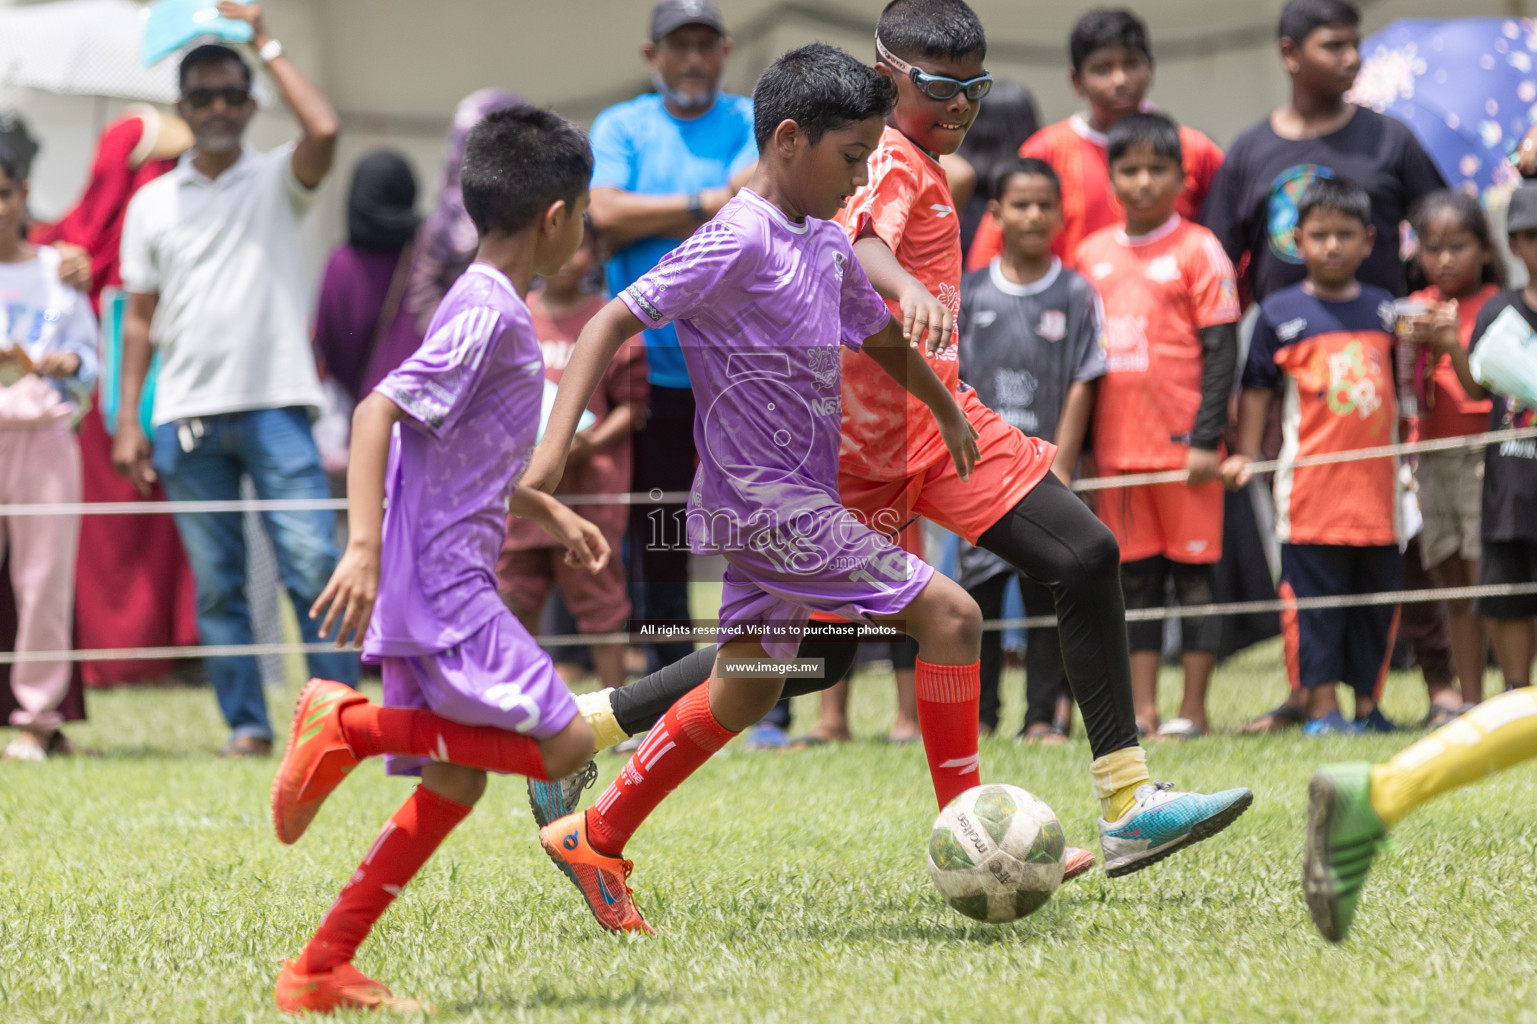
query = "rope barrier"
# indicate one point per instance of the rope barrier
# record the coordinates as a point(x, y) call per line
point(707, 632)
point(139, 508)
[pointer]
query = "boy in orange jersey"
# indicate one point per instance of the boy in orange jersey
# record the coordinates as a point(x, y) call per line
point(1112, 71)
point(1327, 346)
point(1171, 349)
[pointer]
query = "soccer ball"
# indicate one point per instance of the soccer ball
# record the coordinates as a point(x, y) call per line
point(996, 853)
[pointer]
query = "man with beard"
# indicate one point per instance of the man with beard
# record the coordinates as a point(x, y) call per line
point(210, 254)
point(666, 162)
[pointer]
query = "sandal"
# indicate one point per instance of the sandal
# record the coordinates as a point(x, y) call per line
point(1443, 714)
point(1277, 719)
point(1179, 729)
point(1046, 734)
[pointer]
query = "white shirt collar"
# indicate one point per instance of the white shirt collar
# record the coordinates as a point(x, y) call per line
point(1003, 284)
point(1158, 234)
point(777, 213)
point(188, 174)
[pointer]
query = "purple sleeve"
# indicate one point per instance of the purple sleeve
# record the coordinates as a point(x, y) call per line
point(861, 308)
point(679, 287)
point(439, 380)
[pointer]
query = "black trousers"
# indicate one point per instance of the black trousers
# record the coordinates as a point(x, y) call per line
point(1045, 674)
point(664, 461)
point(1052, 538)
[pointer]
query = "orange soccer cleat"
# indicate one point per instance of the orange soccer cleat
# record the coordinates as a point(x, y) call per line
point(343, 987)
point(317, 758)
point(1076, 862)
point(600, 878)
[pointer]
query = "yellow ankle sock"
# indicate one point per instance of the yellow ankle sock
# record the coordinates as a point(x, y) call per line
point(1500, 732)
point(1116, 778)
point(598, 712)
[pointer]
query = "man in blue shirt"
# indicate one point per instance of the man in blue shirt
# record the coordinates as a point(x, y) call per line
point(666, 162)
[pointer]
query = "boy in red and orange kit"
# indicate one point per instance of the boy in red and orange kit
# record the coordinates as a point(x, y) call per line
point(1171, 350)
point(1112, 71)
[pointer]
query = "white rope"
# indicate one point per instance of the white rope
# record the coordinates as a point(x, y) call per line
point(707, 633)
point(656, 497)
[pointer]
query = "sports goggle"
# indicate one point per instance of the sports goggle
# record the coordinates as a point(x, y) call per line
point(936, 87)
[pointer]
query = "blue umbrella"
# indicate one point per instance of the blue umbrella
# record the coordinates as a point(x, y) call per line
point(1464, 87)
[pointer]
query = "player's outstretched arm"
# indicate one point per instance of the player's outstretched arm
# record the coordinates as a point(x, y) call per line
point(584, 543)
point(1253, 404)
point(595, 348)
point(904, 365)
point(354, 584)
point(922, 314)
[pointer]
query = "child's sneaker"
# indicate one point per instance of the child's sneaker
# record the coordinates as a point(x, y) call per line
point(1332, 724)
point(1076, 862)
point(1344, 834)
point(600, 878)
point(317, 758)
point(343, 987)
point(1376, 721)
point(559, 797)
point(1163, 821)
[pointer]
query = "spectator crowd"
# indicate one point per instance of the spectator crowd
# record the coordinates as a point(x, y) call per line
point(1135, 295)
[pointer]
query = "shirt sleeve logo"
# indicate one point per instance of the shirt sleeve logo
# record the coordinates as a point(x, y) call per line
point(644, 303)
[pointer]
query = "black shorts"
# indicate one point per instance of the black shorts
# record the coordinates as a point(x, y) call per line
point(1340, 645)
point(1507, 561)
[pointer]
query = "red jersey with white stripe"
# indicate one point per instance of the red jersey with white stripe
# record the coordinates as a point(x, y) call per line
point(907, 204)
point(1159, 291)
point(1333, 364)
point(1081, 157)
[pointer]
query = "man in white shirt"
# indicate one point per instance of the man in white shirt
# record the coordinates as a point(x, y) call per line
point(212, 267)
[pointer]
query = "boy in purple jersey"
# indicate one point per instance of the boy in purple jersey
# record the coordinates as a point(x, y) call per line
point(444, 436)
point(763, 296)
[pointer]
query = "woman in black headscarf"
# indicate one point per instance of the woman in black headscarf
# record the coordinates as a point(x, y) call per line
point(365, 279)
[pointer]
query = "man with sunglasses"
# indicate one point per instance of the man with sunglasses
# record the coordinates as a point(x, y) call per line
point(210, 255)
point(666, 162)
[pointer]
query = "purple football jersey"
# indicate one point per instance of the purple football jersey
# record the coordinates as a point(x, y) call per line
point(472, 394)
point(761, 305)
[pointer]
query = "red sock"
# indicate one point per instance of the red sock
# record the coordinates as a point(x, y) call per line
point(408, 839)
point(371, 730)
point(682, 741)
point(948, 697)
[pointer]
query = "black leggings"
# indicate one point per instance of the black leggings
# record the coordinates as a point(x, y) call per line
point(1051, 537)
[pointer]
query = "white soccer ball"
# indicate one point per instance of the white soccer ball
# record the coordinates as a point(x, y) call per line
point(996, 853)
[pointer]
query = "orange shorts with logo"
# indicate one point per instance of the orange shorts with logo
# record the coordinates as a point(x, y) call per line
point(1182, 523)
point(1009, 465)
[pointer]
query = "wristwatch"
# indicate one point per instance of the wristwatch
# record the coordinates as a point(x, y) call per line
point(270, 51)
point(696, 206)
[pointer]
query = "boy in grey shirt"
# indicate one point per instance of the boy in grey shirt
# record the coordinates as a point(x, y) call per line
point(1030, 344)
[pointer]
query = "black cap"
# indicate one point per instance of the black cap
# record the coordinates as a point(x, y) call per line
point(670, 15)
point(1521, 214)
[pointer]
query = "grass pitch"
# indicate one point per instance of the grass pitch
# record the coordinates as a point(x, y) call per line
point(146, 885)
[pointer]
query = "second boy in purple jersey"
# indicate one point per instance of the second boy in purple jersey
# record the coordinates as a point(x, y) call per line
point(763, 297)
point(466, 688)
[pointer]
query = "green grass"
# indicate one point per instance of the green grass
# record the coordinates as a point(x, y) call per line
point(146, 885)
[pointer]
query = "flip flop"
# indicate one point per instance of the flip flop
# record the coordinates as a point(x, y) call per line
point(1043, 733)
point(1277, 719)
point(1179, 729)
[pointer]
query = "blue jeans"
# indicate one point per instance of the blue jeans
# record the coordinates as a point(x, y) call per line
point(202, 459)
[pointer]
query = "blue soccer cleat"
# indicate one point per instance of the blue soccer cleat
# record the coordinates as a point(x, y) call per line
point(1163, 821)
point(559, 797)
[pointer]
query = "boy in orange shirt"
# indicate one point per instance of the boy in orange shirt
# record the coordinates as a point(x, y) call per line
point(1171, 341)
point(1112, 72)
point(1327, 345)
